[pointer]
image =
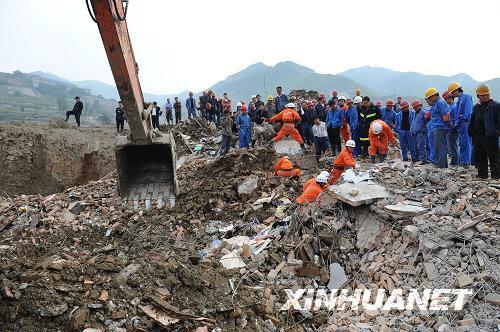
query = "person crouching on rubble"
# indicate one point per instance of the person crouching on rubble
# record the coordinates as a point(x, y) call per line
point(284, 168)
point(288, 116)
point(343, 161)
point(243, 126)
point(313, 188)
point(379, 134)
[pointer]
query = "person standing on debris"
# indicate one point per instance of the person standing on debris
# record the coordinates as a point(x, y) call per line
point(320, 107)
point(168, 112)
point(288, 116)
point(484, 128)
point(440, 125)
point(418, 131)
point(308, 115)
point(156, 112)
point(77, 111)
point(252, 113)
point(366, 115)
point(261, 115)
point(463, 114)
point(313, 188)
point(404, 119)
point(258, 102)
point(388, 114)
point(120, 117)
point(380, 135)
point(334, 98)
point(344, 130)
point(343, 161)
point(226, 103)
point(284, 168)
point(352, 119)
point(430, 138)
point(452, 135)
point(334, 120)
point(270, 106)
point(357, 93)
point(397, 107)
point(281, 100)
point(320, 137)
point(191, 106)
point(227, 132)
point(243, 126)
point(177, 110)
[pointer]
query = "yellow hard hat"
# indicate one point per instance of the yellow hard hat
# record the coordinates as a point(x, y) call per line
point(430, 92)
point(270, 98)
point(453, 86)
point(483, 89)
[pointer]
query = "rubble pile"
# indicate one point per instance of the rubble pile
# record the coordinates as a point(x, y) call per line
point(226, 256)
point(194, 135)
point(304, 94)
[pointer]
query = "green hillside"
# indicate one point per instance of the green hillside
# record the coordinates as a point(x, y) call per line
point(26, 97)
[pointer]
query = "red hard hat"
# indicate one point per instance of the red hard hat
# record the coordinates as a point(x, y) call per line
point(416, 103)
point(334, 92)
point(378, 103)
point(348, 101)
point(322, 95)
point(405, 103)
point(446, 94)
point(244, 107)
point(389, 102)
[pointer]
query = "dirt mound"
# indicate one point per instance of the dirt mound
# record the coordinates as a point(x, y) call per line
point(45, 159)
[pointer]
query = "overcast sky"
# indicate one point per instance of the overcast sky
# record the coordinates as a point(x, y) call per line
point(192, 44)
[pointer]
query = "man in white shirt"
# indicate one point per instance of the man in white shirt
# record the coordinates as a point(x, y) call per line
point(320, 137)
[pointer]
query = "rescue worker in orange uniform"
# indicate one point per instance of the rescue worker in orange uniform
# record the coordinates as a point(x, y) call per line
point(284, 168)
point(343, 161)
point(380, 134)
point(344, 130)
point(313, 188)
point(288, 116)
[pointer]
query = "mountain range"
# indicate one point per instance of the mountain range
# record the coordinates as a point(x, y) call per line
point(261, 79)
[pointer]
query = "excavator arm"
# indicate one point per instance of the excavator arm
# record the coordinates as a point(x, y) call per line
point(145, 159)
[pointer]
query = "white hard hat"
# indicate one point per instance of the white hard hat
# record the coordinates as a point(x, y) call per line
point(239, 104)
point(350, 143)
point(290, 105)
point(323, 177)
point(254, 96)
point(342, 98)
point(357, 100)
point(377, 127)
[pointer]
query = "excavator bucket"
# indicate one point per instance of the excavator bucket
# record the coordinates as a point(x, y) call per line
point(147, 172)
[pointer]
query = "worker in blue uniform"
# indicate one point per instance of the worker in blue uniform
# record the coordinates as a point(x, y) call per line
point(440, 123)
point(464, 112)
point(418, 130)
point(403, 123)
point(452, 135)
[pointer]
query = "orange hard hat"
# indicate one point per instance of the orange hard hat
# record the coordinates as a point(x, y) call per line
point(389, 102)
point(244, 107)
point(405, 103)
point(416, 103)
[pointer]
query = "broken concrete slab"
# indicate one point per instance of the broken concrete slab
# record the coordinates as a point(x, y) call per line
point(492, 298)
point(287, 146)
point(249, 185)
point(431, 271)
point(404, 209)
point(368, 193)
point(75, 208)
point(337, 276)
point(232, 261)
point(368, 231)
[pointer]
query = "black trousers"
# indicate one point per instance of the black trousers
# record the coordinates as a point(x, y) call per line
point(156, 121)
point(364, 145)
point(486, 150)
point(76, 114)
point(119, 125)
point(334, 138)
point(177, 117)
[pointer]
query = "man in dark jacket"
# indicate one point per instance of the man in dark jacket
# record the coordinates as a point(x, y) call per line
point(320, 107)
point(484, 128)
point(366, 114)
point(178, 110)
point(77, 110)
point(155, 115)
point(308, 115)
point(120, 117)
